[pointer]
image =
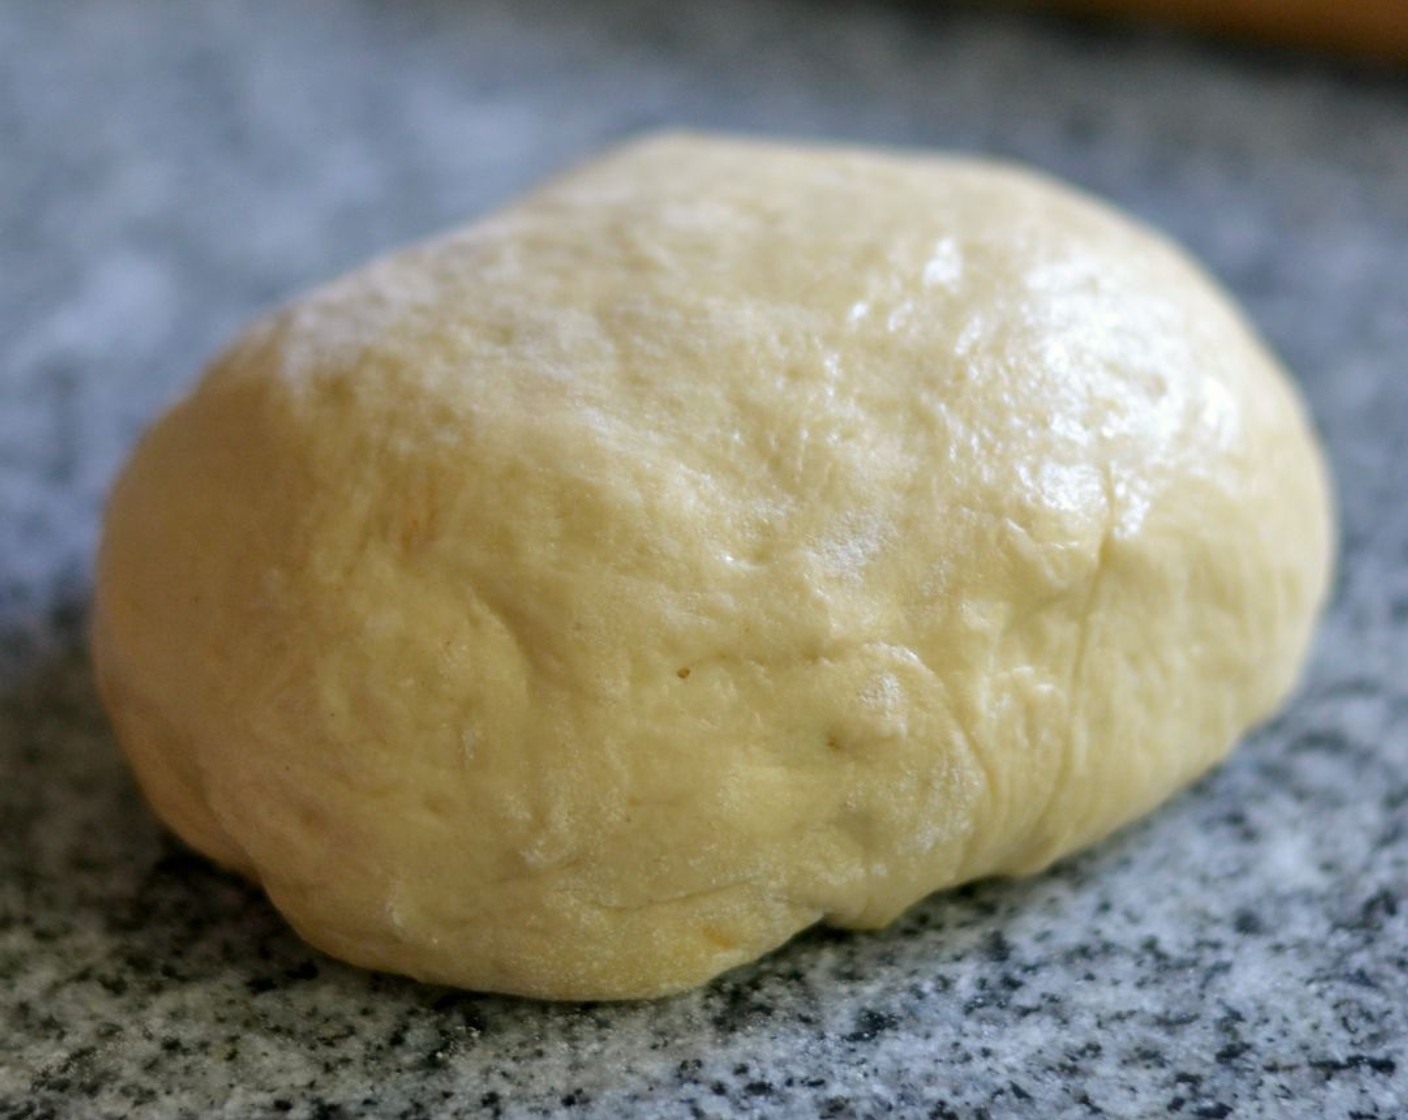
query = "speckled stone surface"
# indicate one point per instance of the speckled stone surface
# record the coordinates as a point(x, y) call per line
point(168, 169)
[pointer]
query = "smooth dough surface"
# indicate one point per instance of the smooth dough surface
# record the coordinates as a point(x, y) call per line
point(726, 538)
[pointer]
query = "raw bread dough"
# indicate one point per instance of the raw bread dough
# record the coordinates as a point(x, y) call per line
point(727, 538)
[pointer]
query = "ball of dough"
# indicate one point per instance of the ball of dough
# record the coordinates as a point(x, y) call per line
point(727, 538)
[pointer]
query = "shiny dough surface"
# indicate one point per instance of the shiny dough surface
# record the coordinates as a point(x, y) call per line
point(725, 538)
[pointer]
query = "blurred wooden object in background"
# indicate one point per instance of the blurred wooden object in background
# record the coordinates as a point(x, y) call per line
point(1375, 29)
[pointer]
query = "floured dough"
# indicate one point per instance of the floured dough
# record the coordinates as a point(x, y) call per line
point(727, 538)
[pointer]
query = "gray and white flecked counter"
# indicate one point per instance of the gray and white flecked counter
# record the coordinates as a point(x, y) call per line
point(167, 169)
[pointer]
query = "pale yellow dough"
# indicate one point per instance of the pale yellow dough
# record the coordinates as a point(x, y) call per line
point(727, 538)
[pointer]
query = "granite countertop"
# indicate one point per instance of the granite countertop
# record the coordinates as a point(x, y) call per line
point(166, 170)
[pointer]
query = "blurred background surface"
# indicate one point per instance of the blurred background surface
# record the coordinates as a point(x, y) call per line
point(169, 169)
